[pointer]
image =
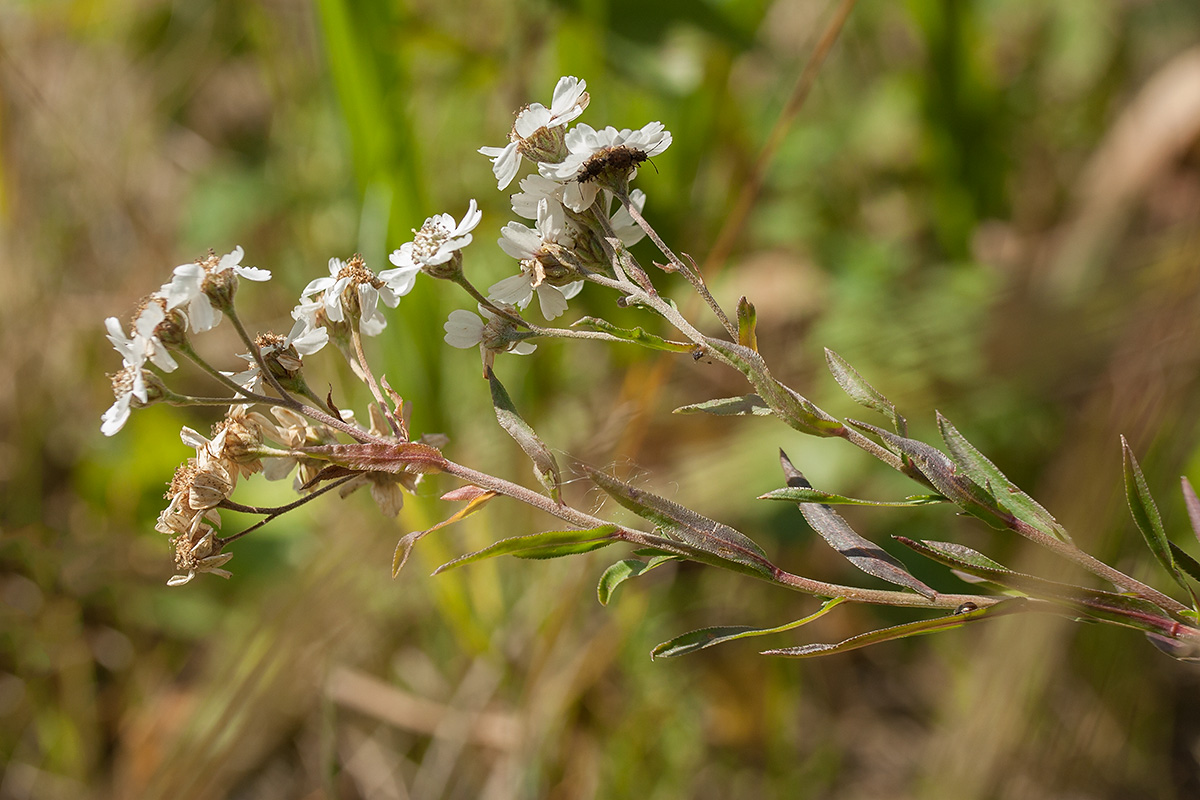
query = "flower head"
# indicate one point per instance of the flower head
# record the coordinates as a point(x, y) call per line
point(351, 293)
point(197, 286)
point(493, 334)
point(435, 249)
point(537, 132)
point(607, 158)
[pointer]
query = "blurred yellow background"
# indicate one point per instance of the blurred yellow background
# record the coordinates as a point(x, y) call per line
point(989, 208)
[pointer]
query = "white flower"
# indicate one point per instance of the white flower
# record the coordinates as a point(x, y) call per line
point(368, 290)
point(592, 152)
point(128, 384)
point(186, 289)
point(535, 189)
point(143, 345)
point(528, 136)
point(465, 330)
point(435, 243)
point(518, 290)
point(531, 247)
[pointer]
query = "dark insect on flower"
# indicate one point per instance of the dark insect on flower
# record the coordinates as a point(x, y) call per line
point(619, 159)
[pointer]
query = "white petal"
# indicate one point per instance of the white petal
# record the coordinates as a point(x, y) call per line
point(463, 329)
point(116, 416)
point(253, 273)
point(551, 301)
point(516, 290)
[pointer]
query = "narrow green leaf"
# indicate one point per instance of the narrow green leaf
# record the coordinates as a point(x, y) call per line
point(1185, 562)
point(1146, 516)
point(634, 335)
point(622, 571)
point(800, 494)
point(987, 475)
point(1015, 605)
point(794, 409)
point(685, 525)
point(1123, 609)
point(545, 467)
point(858, 550)
point(707, 637)
point(549, 544)
point(750, 405)
point(942, 474)
point(747, 320)
point(862, 392)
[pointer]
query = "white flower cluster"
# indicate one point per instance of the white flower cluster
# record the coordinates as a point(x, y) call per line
point(183, 304)
point(577, 172)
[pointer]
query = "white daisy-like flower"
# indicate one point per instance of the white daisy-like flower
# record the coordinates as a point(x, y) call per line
point(533, 130)
point(368, 289)
point(465, 330)
point(128, 384)
point(531, 246)
point(435, 243)
point(518, 290)
point(186, 289)
point(593, 153)
point(144, 345)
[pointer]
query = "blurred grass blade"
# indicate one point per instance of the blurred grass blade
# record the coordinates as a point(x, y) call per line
point(550, 544)
point(476, 499)
point(624, 570)
point(634, 335)
point(862, 392)
point(1149, 522)
point(545, 467)
point(750, 405)
point(859, 551)
point(747, 321)
point(707, 637)
point(686, 525)
point(987, 475)
point(1015, 605)
point(1193, 506)
point(802, 494)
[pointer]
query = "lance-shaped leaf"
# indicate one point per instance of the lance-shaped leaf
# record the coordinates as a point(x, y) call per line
point(859, 551)
point(1007, 495)
point(806, 494)
point(750, 405)
point(747, 320)
point(624, 570)
point(1146, 516)
point(797, 411)
point(1016, 605)
point(862, 392)
point(369, 457)
point(545, 467)
point(476, 499)
point(1123, 609)
point(686, 525)
point(707, 637)
point(634, 335)
point(943, 475)
point(550, 544)
point(1188, 650)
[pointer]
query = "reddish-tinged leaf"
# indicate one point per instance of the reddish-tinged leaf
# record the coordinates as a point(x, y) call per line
point(395, 457)
point(477, 498)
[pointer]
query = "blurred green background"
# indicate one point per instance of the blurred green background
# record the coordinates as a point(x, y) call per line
point(989, 208)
